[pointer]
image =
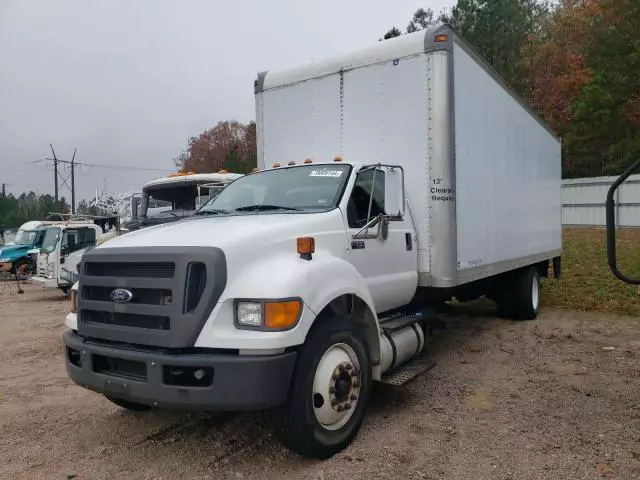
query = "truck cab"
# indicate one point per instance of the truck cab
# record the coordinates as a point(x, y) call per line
point(60, 241)
point(15, 257)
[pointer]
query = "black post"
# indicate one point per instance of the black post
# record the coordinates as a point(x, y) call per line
point(4, 189)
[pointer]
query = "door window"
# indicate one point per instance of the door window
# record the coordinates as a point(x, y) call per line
point(369, 183)
point(76, 239)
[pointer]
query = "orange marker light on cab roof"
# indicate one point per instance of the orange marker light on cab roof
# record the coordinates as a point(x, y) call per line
point(275, 165)
point(306, 247)
point(256, 169)
point(223, 171)
point(291, 163)
point(441, 38)
point(308, 160)
point(337, 158)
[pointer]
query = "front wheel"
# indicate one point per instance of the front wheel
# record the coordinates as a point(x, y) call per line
point(330, 391)
point(22, 268)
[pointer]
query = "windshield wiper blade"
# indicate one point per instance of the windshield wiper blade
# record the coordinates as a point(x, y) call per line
point(210, 212)
point(258, 207)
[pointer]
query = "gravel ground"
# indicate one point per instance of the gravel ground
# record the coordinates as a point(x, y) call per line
point(531, 400)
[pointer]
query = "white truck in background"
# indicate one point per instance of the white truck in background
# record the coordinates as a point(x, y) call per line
point(176, 196)
point(162, 200)
point(301, 284)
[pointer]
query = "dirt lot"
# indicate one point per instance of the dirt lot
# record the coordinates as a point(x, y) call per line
point(532, 400)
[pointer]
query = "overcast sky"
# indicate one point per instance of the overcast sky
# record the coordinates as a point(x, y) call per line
point(128, 82)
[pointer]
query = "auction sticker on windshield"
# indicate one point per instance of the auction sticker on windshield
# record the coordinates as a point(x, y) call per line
point(325, 173)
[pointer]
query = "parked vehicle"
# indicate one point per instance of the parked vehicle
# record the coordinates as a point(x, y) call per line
point(64, 238)
point(301, 284)
point(177, 196)
point(14, 257)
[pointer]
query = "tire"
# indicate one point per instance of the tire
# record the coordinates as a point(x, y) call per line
point(527, 294)
point(65, 290)
point(520, 296)
point(317, 421)
point(126, 404)
point(22, 268)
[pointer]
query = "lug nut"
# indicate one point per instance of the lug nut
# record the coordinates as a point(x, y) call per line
point(349, 366)
point(334, 402)
point(340, 408)
point(353, 398)
point(347, 406)
point(354, 373)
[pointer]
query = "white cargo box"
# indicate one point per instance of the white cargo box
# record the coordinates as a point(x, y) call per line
point(482, 171)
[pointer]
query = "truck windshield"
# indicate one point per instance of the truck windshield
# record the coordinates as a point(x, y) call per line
point(50, 240)
point(26, 237)
point(304, 188)
point(171, 201)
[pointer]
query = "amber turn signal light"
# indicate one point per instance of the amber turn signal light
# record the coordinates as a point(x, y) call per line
point(441, 38)
point(281, 315)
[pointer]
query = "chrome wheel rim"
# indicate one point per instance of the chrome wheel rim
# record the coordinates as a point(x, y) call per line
point(336, 386)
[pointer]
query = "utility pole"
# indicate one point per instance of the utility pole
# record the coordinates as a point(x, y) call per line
point(55, 173)
point(73, 183)
point(4, 189)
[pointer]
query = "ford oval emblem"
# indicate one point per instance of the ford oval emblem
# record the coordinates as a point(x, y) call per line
point(121, 295)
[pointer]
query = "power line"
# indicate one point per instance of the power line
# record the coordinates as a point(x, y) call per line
point(112, 166)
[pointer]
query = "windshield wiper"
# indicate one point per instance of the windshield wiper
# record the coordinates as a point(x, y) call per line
point(258, 207)
point(210, 212)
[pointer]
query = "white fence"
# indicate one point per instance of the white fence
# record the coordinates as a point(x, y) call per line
point(583, 201)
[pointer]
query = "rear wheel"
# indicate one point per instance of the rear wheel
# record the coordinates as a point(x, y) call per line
point(520, 297)
point(329, 393)
point(126, 404)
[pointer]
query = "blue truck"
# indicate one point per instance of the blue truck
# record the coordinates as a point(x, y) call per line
point(15, 257)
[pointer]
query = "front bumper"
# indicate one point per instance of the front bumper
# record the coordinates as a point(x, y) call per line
point(238, 382)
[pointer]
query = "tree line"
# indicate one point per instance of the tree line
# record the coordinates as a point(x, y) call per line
point(14, 211)
point(576, 62)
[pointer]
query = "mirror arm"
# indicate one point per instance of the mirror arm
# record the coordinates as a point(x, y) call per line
point(374, 221)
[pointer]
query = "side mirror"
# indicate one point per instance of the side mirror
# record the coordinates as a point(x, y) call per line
point(394, 192)
point(610, 206)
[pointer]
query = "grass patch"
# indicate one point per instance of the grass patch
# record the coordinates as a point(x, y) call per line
point(587, 283)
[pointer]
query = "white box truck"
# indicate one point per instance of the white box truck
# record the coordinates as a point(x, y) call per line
point(301, 284)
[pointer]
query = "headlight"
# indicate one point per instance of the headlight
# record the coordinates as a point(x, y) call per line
point(274, 315)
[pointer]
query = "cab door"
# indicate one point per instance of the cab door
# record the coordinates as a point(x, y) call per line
point(388, 266)
point(72, 240)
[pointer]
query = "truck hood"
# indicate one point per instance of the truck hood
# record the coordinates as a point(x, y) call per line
point(12, 251)
point(227, 230)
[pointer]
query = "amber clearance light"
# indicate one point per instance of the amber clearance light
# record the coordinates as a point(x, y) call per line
point(441, 38)
point(306, 247)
